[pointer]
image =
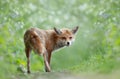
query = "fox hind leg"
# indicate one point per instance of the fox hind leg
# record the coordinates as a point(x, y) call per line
point(27, 51)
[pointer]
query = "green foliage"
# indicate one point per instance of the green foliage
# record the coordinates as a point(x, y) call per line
point(97, 44)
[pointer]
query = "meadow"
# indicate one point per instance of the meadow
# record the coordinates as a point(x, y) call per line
point(95, 51)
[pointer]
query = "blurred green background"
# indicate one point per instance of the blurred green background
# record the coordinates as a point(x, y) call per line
point(97, 45)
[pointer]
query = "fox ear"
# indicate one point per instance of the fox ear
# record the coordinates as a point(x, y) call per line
point(57, 31)
point(74, 30)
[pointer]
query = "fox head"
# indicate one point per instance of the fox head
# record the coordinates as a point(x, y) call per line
point(65, 37)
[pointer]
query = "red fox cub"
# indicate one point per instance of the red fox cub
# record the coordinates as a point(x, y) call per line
point(43, 42)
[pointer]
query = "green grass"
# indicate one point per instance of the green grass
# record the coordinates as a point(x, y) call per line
point(97, 44)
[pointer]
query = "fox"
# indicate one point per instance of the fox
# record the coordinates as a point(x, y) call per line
point(44, 42)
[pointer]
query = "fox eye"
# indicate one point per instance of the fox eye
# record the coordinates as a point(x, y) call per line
point(64, 38)
point(70, 37)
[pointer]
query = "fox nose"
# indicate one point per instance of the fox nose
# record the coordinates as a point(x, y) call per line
point(68, 43)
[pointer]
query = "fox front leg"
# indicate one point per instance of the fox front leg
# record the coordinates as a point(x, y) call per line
point(47, 66)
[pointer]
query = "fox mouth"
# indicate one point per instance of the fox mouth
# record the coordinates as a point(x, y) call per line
point(67, 45)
